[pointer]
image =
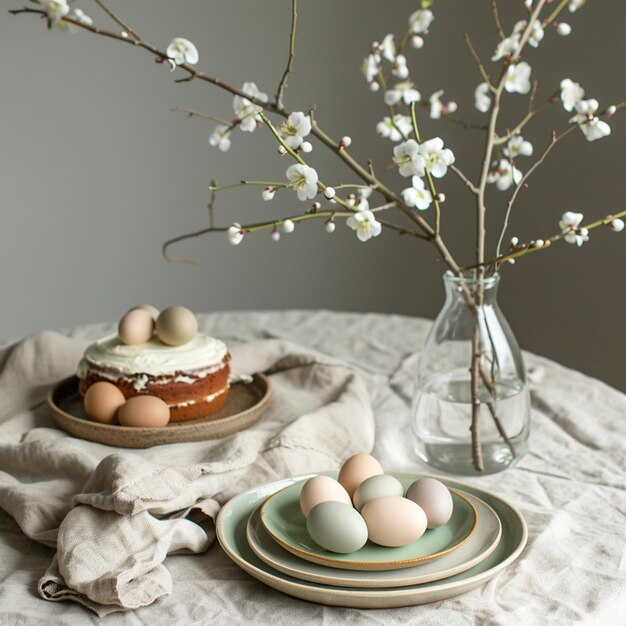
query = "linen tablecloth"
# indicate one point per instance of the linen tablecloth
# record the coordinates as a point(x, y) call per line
point(571, 488)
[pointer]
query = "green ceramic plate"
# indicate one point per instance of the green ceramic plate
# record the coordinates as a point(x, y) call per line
point(231, 533)
point(283, 520)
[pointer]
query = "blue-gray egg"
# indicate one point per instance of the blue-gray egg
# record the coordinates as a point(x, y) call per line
point(375, 487)
point(337, 527)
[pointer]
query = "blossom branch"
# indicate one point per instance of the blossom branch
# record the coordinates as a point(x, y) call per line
point(522, 183)
point(292, 53)
point(547, 243)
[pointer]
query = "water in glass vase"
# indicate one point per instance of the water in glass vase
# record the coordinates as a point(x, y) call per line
point(442, 411)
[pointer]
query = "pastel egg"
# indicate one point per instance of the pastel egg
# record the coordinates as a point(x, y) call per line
point(176, 326)
point(102, 401)
point(136, 327)
point(337, 527)
point(376, 487)
point(321, 489)
point(434, 498)
point(357, 469)
point(394, 521)
point(144, 411)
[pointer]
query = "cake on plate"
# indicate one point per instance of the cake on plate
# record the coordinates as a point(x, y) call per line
point(191, 378)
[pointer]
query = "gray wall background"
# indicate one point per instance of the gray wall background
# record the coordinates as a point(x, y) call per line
point(97, 173)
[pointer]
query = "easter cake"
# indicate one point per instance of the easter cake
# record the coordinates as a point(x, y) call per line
point(191, 377)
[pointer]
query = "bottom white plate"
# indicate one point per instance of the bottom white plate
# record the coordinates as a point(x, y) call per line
point(480, 545)
point(231, 533)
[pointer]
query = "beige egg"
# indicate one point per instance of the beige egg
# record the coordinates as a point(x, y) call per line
point(321, 489)
point(434, 498)
point(357, 469)
point(393, 521)
point(102, 401)
point(136, 327)
point(176, 326)
point(144, 411)
point(148, 307)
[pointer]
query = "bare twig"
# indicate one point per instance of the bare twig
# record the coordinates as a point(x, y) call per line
point(494, 412)
point(477, 454)
point(553, 141)
point(115, 18)
point(496, 17)
point(207, 116)
point(468, 183)
point(481, 66)
point(292, 53)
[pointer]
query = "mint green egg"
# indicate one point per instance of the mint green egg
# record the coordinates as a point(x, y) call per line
point(337, 527)
point(376, 487)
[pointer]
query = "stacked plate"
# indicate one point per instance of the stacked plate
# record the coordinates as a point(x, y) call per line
point(264, 532)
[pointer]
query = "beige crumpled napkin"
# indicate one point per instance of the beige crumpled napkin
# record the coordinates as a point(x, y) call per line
point(114, 515)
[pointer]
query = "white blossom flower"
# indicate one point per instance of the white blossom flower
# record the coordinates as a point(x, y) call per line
point(417, 195)
point(592, 126)
point(570, 226)
point(571, 93)
point(235, 234)
point(563, 29)
point(407, 157)
point(504, 175)
point(295, 128)
point(220, 137)
point(247, 111)
point(437, 107)
point(365, 225)
point(397, 129)
point(420, 21)
point(517, 146)
point(55, 9)
point(400, 69)
point(288, 226)
point(518, 78)
point(404, 92)
point(80, 17)
point(303, 179)
point(506, 47)
point(617, 225)
point(482, 97)
point(436, 157)
point(371, 67)
point(360, 199)
point(574, 5)
point(536, 32)
point(387, 48)
point(181, 51)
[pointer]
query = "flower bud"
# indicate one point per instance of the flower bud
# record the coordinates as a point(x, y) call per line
point(514, 241)
point(234, 234)
point(538, 244)
point(451, 107)
point(611, 110)
point(374, 86)
point(617, 225)
point(306, 146)
point(275, 235)
point(511, 261)
point(268, 193)
point(282, 150)
point(417, 42)
point(344, 142)
point(316, 206)
point(288, 226)
point(329, 193)
point(441, 197)
point(563, 29)
point(330, 226)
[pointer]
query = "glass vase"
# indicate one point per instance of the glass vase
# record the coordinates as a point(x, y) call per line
point(471, 407)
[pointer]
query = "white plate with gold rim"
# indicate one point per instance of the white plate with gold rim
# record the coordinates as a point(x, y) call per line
point(480, 545)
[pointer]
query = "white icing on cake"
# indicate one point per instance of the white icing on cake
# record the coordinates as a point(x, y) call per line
point(200, 356)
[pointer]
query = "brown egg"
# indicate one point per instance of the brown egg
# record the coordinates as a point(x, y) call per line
point(102, 401)
point(148, 307)
point(137, 326)
point(144, 411)
point(176, 326)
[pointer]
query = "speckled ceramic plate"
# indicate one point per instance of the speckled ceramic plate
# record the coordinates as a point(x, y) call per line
point(245, 404)
point(482, 543)
point(283, 520)
point(231, 533)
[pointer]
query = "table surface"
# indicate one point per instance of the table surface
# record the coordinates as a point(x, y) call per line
point(570, 487)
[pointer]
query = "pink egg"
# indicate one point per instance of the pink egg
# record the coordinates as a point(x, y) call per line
point(102, 401)
point(393, 521)
point(144, 411)
point(356, 469)
point(321, 489)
